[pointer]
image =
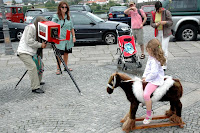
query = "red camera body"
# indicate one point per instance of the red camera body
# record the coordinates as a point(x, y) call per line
point(50, 31)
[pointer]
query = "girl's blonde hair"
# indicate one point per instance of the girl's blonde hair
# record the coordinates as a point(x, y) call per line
point(155, 48)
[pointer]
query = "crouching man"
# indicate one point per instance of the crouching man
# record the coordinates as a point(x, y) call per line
point(28, 46)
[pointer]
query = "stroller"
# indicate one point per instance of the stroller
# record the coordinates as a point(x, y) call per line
point(128, 51)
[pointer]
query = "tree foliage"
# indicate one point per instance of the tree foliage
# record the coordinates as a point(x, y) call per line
point(50, 3)
point(14, 2)
point(25, 2)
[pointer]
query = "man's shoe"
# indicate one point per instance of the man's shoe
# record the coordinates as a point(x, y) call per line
point(42, 83)
point(38, 90)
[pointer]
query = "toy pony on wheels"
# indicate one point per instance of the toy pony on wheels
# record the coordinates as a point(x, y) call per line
point(170, 91)
point(153, 82)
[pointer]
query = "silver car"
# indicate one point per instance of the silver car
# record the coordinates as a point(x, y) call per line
point(31, 13)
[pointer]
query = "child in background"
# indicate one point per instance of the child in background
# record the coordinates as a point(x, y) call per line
point(153, 74)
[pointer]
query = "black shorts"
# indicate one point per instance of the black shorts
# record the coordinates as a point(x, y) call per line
point(65, 51)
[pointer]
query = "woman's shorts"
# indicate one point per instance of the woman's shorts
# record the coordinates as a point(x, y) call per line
point(65, 51)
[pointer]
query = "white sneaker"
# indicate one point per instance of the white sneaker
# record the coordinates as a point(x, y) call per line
point(147, 121)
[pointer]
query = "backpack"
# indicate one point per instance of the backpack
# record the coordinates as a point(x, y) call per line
point(39, 64)
point(140, 14)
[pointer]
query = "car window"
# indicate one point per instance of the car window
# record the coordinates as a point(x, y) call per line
point(148, 8)
point(183, 5)
point(94, 17)
point(88, 8)
point(45, 10)
point(19, 10)
point(48, 17)
point(118, 9)
point(80, 19)
point(32, 13)
point(7, 10)
point(14, 10)
point(77, 8)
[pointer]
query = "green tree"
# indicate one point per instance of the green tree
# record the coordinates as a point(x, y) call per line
point(14, 2)
point(111, 3)
point(77, 1)
point(32, 3)
point(98, 7)
point(125, 1)
point(25, 2)
point(24, 9)
point(50, 3)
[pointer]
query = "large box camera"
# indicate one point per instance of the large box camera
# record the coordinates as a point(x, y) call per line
point(50, 31)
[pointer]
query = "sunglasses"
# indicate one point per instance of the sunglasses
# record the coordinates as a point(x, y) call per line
point(64, 7)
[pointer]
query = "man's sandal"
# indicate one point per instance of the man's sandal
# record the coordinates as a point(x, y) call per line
point(142, 56)
point(58, 72)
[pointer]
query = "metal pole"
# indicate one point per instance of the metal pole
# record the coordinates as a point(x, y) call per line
point(8, 45)
point(61, 59)
point(21, 79)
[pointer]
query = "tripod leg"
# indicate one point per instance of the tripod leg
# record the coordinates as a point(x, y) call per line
point(21, 78)
point(61, 59)
point(55, 53)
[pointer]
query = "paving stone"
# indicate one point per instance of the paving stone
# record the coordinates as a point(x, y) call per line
point(62, 109)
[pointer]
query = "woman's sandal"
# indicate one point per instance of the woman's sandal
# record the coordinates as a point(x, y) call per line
point(58, 72)
point(69, 69)
point(142, 56)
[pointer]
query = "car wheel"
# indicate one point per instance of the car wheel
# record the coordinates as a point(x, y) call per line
point(187, 33)
point(110, 38)
point(19, 35)
point(21, 21)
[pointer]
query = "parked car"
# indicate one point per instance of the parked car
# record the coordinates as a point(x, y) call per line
point(80, 8)
point(186, 18)
point(116, 13)
point(47, 15)
point(14, 13)
point(30, 13)
point(15, 29)
point(90, 28)
point(147, 10)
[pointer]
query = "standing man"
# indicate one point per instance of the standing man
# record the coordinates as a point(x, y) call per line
point(137, 24)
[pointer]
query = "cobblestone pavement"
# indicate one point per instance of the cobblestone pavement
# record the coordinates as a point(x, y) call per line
point(62, 109)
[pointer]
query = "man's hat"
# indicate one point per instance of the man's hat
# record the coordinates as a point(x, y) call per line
point(131, 3)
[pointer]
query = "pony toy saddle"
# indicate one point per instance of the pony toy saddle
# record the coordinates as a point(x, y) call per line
point(157, 94)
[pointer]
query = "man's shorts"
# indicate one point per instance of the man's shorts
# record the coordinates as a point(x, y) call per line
point(138, 35)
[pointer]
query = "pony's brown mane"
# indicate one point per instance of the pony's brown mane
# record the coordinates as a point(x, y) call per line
point(124, 77)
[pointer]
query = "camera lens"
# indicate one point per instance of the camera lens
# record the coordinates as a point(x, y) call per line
point(54, 32)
